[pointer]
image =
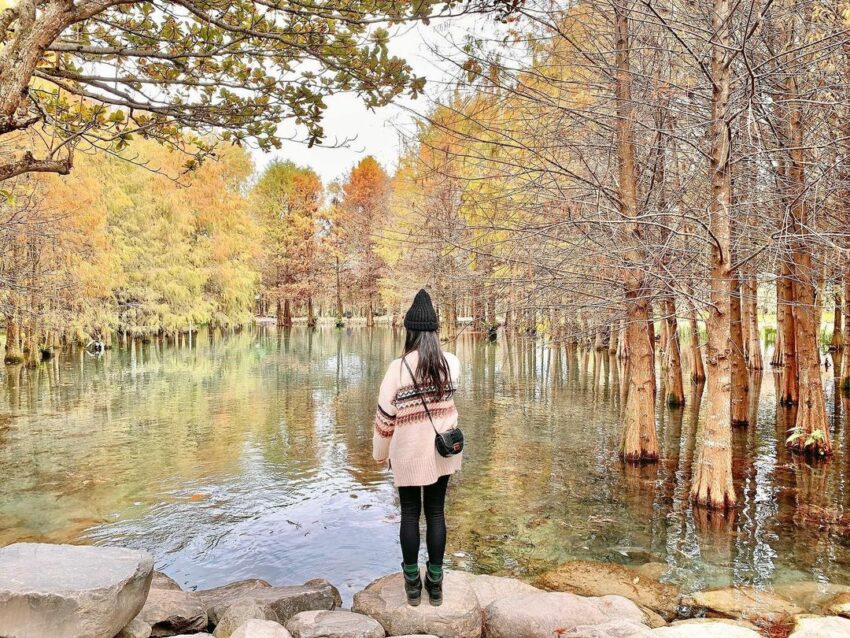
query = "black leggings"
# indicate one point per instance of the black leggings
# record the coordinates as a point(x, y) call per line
point(435, 536)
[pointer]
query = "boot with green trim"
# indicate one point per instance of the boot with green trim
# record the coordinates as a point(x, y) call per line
point(434, 584)
point(412, 584)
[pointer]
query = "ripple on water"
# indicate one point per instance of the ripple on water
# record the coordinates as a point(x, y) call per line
point(250, 456)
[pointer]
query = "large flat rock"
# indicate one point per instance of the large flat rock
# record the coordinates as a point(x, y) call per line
point(261, 629)
point(280, 603)
point(592, 578)
point(545, 614)
point(490, 588)
point(172, 611)
point(334, 624)
point(458, 617)
point(72, 591)
point(707, 628)
point(742, 603)
point(821, 627)
point(218, 599)
point(238, 614)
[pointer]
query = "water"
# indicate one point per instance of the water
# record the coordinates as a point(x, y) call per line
point(250, 456)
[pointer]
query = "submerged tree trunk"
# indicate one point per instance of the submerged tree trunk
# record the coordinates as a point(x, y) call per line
point(311, 315)
point(639, 440)
point(279, 312)
point(672, 349)
point(740, 379)
point(622, 344)
point(755, 360)
point(697, 366)
point(13, 353)
point(614, 339)
point(340, 321)
point(845, 360)
point(811, 432)
point(287, 313)
point(837, 330)
point(712, 479)
point(790, 385)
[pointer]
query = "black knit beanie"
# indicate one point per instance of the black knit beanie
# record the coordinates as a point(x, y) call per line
point(421, 315)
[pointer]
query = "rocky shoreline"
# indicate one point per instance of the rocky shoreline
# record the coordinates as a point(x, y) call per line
point(64, 591)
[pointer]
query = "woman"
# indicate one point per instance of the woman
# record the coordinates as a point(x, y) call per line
point(404, 436)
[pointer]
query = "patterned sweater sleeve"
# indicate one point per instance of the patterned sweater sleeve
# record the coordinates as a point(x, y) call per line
point(385, 414)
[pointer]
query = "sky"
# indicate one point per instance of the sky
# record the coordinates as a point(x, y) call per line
point(378, 132)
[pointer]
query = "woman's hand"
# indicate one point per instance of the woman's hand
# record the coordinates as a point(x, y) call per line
point(382, 462)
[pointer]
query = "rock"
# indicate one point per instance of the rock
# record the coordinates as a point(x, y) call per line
point(820, 627)
point(541, 614)
point(837, 606)
point(610, 629)
point(218, 599)
point(810, 595)
point(489, 588)
point(171, 611)
point(70, 591)
point(590, 578)
point(458, 617)
point(651, 619)
point(194, 636)
point(743, 603)
point(707, 628)
point(238, 614)
point(280, 603)
point(334, 624)
point(136, 629)
point(261, 629)
point(716, 621)
point(162, 581)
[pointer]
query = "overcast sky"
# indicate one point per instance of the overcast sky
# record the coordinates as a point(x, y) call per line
point(377, 132)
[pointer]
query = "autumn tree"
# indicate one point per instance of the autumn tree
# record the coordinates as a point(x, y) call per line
point(363, 207)
point(97, 73)
point(287, 198)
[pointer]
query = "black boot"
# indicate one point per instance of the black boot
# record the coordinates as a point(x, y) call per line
point(434, 587)
point(412, 587)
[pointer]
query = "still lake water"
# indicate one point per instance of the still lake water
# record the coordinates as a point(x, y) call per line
point(249, 455)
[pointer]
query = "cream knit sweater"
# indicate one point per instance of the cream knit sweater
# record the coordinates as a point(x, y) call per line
point(403, 433)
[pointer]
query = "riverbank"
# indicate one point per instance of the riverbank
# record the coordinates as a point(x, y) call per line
point(52, 591)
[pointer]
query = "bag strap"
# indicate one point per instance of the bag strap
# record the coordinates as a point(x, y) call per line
point(421, 397)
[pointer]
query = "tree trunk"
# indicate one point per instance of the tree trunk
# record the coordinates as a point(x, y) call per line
point(790, 383)
point(639, 440)
point(837, 336)
point(287, 313)
point(13, 353)
point(339, 318)
point(622, 344)
point(740, 378)
point(673, 353)
point(599, 340)
point(754, 360)
point(370, 313)
point(697, 366)
point(712, 480)
point(811, 431)
point(845, 360)
point(614, 340)
point(311, 315)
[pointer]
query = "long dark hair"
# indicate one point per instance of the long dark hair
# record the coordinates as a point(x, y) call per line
point(432, 369)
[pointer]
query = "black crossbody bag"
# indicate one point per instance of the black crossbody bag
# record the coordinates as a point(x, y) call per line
point(448, 443)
